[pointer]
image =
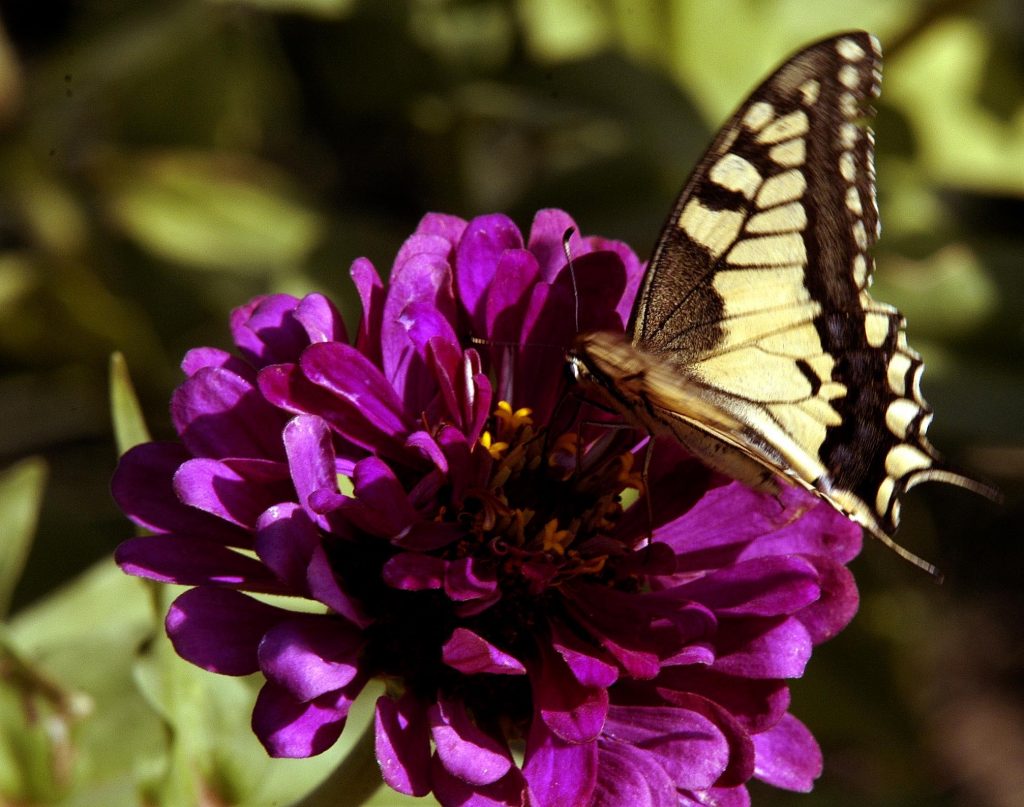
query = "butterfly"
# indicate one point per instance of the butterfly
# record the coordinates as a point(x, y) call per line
point(753, 340)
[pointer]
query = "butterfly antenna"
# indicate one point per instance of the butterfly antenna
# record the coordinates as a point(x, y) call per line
point(909, 556)
point(572, 275)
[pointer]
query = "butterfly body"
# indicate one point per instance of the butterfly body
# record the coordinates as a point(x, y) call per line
point(753, 340)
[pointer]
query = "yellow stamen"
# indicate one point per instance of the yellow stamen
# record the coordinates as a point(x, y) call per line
point(509, 421)
point(495, 449)
point(554, 539)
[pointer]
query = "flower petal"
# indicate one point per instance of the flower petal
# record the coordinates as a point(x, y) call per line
point(766, 586)
point(471, 654)
point(509, 791)
point(788, 756)
point(778, 648)
point(191, 561)
point(477, 256)
point(143, 488)
point(837, 604)
point(412, 571)
point(219, 629)
point(310, 655)
point(285, 539)
point(470, 579)
point(466, 751)
point(293, 729)
point(267, 332)
point(236, 490)
point(573, 712)
point(559, 773)
point(320, 319)
point(310, 451)
point(403, 744)
point(691, 748)
point(629, 775)
point(345, 372)
point(371, 293)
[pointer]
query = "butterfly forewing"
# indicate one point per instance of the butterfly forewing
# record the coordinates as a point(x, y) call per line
point(755, 302)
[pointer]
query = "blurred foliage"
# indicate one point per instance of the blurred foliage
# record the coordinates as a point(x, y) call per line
point(162, 162)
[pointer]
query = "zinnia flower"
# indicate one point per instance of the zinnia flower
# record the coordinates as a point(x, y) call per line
point(433, 486)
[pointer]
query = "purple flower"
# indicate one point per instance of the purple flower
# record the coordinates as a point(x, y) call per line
point(433, 485)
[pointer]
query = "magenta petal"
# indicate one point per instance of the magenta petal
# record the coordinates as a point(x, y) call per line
point(481, 246)
point(219, 629)
point(193, 562)
point(547, 232)
point(837, 604)
point(294, 729)
point(469, 579)
point(268, 332)
point(712, 534)
point(426, 536)
point(308, 444)
point(755, 704)
point(411, 571)
point(371, 293)
point(515, 274)
point(573, 712)
point(285, 539)
point(345, 372)
point(378, 489)
point(320, 319)
point(142, 487)
point(687, 745)
point(403, 744)
point(310, 655)
point(583, 661)
point(201, 357)
point(559, 772)
point(323, 586)
point(788, 756)
point(426, 445)
point(220, 414)
point(448, 227)
point(469, 653)
point(716, 797)
point(465, 751)
point(509, 791)
point(235, 490)
point(763, 649)
point(629, 775)
point(425, 279)
point(766, 586)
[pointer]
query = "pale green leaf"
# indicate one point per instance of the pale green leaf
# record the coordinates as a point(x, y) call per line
point(126, 414)
point(937, 82)
point(21, 495)
point(211, 211)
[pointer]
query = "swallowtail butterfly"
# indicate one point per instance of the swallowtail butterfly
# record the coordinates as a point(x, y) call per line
point(754, 341)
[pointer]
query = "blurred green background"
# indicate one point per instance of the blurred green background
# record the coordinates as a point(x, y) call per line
point(161, 162)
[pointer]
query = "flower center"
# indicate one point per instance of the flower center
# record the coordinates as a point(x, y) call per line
point(544, 516)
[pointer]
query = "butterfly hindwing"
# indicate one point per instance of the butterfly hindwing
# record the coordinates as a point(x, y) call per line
point(754, 326)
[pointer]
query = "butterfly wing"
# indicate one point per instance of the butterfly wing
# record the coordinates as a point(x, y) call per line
point(756, 298)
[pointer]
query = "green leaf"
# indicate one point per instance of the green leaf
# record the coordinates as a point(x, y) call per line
point(21, 494)
point(938, 81)
point(129, 424)
point(211, 210)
